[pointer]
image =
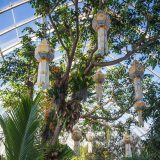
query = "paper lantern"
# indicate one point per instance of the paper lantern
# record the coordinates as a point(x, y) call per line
point(90, 137)
point(139, 107)
point(76, 136)
point(101, 24)
point(108, 135)
point(99, 79)
point(44, 54)
point(127, 141)
point(136, 73)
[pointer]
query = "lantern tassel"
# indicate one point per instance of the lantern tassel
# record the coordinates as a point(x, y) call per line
point(140, 119)
point(99, 91)
point(108, 136)
point(102, 41)
point(77, 148)
point(90, 147)
point(43, 74)
point(128, 152)
point(138, 89)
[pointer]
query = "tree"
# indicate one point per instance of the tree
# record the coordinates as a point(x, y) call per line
point(134, 31)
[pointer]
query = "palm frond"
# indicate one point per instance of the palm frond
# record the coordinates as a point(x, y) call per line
point(20, 128)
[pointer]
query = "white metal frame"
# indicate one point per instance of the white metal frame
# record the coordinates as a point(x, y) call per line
point(18, 25)
point(13, 5)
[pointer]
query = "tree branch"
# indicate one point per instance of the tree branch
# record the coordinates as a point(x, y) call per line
point(77, 31)
point(56, 133)
point(102, 124)
point(58, 34)
point(75, 42)
point(94, 110)
point(119, 114)
point(89, 63)
point(137, 47)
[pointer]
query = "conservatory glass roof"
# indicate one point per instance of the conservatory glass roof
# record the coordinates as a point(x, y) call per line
point(13, 19)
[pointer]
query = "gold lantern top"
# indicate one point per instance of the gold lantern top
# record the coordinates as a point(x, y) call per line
point(101, 20)
point(99, 77)
point(90, 136)
point(43, 47)
point(136, 70)
point(76, 134)
point(127, 138)
point(44, 51)
point(139, 105)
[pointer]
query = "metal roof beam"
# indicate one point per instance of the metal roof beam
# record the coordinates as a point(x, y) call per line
point(25, 21)
point(13, 5)
point(153, 72)
point(18, 25)
point(19, 3)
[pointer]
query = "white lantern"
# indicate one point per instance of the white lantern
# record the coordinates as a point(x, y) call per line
point(136, 72)
point(76, 136)
point(127, 141)
point(90, 137)
point(101, 24)
point(44, 54)
point(99, 80)
point(139, 107)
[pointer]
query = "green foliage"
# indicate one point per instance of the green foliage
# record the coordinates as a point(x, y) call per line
point(18, 72)
point(20, 126)
point(152, 143)
point(58, 151)
point(65, 153)
point(20, 66)
point(142, 156)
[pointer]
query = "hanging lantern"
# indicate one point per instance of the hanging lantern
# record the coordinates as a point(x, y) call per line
point(76, 136)
point(108, 135)
point(99, 79)
point(101, 24)
point(90, 137)
point(136, 73)
point(139, 107)
point(127, 141)
point(44, 54)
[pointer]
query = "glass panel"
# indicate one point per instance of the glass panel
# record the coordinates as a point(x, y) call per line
point(31, 24)
point(14, 1)
point(4, 3)
point(23, 12)
point(6, 20)
point(7, 39)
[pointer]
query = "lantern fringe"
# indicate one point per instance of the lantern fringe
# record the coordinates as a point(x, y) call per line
point(138, 89)
point(77, 148)
point(99, 91)
point(128, 152)
point(102, 41)
point(90, 146)
point(108, 136)
point(140, 119)
point(43, 74)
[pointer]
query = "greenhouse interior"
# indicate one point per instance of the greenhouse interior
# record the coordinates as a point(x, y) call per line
point(79, 80)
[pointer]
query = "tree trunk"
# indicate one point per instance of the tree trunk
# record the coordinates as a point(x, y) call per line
point(56, 133)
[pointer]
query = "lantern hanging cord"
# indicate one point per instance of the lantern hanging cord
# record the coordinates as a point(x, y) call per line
point(44, 21)
point(101, 4)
